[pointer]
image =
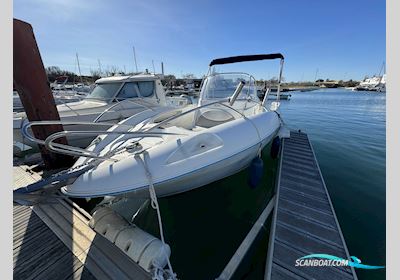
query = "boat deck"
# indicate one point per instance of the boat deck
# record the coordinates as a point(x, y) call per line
point(54, 241)
point(304, 220)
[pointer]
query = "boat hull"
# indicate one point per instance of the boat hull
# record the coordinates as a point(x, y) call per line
point(174, 169)
point(203, 176)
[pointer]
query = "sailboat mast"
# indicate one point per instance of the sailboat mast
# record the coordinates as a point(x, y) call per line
point(79, 67)
point(134, 57)
point(380, 71)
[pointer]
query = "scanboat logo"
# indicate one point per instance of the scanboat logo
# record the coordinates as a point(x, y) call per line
point(329, 260)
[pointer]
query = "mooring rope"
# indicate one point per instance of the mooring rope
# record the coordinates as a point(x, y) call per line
point(158, 271)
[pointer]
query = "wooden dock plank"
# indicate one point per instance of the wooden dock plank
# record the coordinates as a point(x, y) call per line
point(301, 239)
point(306, 167)
point(297, 155)
point(304, 179)
point(304, 221)
point(306, 191)
point(307, 201)
point(37, 252)
point(100, 256)
point(54, 241)
point(307, 213)
point(280, 273)
point(67, 266)
point(296, 170)
point(316, 229)
point(34, 246)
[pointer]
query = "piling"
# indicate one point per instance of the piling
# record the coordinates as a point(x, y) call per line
point(30, 80)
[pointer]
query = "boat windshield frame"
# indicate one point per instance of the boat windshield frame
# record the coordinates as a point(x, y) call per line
point(248, 58)
point(247, 88)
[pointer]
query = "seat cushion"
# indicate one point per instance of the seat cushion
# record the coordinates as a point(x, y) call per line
point(213, 117)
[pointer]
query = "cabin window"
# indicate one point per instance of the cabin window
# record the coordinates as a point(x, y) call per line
point(129, 90)
point(146, 88)
point(136, 89)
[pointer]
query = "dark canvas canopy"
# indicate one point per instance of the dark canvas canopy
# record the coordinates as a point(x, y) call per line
point(242, 58)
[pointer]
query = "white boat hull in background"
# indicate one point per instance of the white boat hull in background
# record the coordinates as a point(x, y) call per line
point(111, 108)
point(83, 111)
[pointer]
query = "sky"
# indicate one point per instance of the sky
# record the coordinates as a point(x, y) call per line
point(338, 39)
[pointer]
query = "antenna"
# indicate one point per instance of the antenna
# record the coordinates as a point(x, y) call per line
point(154, 69)
point(79, 68)
point(134, 56)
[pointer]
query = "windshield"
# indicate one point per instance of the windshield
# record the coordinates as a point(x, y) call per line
point(104, 91)
point(218, 86)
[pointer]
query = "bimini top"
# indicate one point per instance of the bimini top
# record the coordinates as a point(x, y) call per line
point(242, 58)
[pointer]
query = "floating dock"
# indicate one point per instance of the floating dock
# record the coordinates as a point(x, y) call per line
point(304, 220)
point(54, 241)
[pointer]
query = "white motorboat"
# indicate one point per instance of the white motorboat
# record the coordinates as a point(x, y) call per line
point(81, 88)
point(112, 100)
point(60, 97)
point(59, 83)
point(176, 150)
point(375, 83)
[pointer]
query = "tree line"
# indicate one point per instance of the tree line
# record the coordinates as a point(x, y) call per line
point(53, 72)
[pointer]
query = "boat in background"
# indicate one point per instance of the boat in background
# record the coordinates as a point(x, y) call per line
point(376, 83)
point(62, 93)
point(60, 97)
point(59, 83)
point(272, 93)
point(82, 88)
point(283, 96)
point(112, 100)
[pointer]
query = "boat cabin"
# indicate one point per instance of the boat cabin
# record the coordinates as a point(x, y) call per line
point(119, 88)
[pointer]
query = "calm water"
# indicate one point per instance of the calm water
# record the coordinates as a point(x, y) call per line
point(204, 227)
